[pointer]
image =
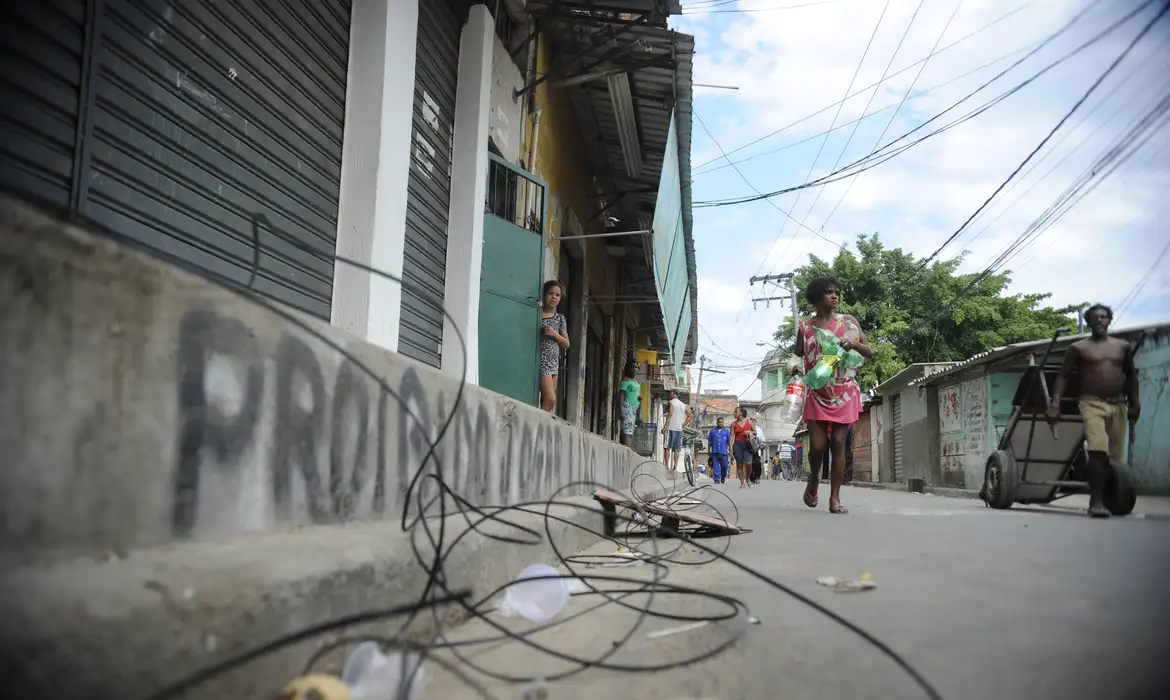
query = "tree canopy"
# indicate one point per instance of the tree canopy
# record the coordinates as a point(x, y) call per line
point(928, 315)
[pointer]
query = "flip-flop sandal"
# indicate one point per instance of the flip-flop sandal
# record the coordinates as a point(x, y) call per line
point(809, 499)
point(838, 510)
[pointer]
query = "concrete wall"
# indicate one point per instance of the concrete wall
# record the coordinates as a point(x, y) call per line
point(506, 121)
point(143, 405)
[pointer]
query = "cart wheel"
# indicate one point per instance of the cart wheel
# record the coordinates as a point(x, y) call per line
point(1000, 480)
point(1120, 497)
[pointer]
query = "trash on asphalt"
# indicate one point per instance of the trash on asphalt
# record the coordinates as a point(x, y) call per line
point(536, 596)
point(753, 620)
point(317, 685)
point(537, 690)
point(626, 552)
point(371, 675)
point(671, 631)
point(845, 585)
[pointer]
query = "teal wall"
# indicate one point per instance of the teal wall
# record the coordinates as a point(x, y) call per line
point(999, 397)
point(670, 255)
point(1151, 444)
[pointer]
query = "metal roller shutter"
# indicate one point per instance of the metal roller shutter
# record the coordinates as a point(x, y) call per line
point(897, 430)
point(198, 116)
point(424, 267)
point(41, 49)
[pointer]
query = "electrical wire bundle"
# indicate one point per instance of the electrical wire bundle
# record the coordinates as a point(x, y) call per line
point(433, 508)
point(891, 150)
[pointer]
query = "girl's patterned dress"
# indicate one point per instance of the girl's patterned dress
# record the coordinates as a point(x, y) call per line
point(550, 351)
point(839, 401)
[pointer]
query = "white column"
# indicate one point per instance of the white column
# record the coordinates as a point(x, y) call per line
point(469, 163)
point(371, 224)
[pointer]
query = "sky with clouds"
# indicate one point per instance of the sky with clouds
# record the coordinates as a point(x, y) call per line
point(794, 65)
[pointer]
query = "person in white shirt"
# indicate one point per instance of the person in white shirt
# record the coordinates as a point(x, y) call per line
point(786, 455)
point(678, 416)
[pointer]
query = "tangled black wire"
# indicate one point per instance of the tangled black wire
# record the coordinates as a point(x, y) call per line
point(433, 509)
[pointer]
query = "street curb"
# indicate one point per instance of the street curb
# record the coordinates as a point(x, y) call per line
point(130, 626)
point(932, 490)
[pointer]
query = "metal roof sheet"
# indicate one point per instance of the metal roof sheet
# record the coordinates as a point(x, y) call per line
point(1008, 351)
point(657, 91)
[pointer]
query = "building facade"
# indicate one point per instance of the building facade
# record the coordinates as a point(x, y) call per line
point(773, 386)
point(471, 151)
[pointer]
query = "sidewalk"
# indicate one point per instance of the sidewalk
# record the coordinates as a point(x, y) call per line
point(1147, 506)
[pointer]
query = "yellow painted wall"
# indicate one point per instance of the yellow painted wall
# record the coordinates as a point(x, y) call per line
point(562, 160)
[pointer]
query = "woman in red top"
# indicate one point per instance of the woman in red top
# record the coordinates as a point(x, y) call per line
point(742, 430)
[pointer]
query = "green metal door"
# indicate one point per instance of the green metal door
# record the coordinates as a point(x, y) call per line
point(510, 282)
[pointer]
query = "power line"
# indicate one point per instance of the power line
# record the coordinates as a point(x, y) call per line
point(985, 107)
point(705, 11)
point(856, 124)
point(1105, 99)
point(1117, 61)
point(1141, 283)
point(1103, 168)
point(953, 44)
point(923, 93)
point(820, 150)
point(905, 96)
point(861, 163)
point(743, 177)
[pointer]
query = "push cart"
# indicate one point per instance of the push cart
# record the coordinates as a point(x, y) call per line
point(1039, 463)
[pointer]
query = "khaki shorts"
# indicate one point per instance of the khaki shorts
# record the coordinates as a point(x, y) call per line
point(1106, 427)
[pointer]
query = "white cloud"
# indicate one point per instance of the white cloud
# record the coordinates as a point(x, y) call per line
point(793, 63)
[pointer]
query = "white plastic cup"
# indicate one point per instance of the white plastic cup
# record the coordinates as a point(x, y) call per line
point(372, 675)
point(537, 600)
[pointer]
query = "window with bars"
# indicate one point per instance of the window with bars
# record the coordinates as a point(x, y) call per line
point(514, 198)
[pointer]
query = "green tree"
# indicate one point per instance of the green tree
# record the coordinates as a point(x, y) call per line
point(928, 315)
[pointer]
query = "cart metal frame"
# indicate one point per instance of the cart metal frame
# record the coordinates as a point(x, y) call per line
point(1058, 468)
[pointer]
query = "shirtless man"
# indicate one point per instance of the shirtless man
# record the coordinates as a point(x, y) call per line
point(1108, 385)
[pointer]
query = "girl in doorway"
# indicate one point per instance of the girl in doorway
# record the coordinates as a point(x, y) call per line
point(831, 410)
point(554, 335)
point(741, 431)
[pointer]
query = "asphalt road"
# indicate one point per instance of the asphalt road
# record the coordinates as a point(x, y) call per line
point(1027, 603)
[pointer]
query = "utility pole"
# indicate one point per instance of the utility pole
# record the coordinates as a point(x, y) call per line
point(699, 389)
point(783, 281)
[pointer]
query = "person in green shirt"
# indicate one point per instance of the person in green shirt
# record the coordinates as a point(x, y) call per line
point(631, 396)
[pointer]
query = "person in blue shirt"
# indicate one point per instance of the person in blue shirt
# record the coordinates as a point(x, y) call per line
point(719, 439)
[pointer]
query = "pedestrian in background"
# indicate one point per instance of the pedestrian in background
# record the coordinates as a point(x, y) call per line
point(742, 431)
point(631, 398)
point(678, 417)
point(786, 460)
point(719, 440)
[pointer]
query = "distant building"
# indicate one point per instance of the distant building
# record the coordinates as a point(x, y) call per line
point(773, 383)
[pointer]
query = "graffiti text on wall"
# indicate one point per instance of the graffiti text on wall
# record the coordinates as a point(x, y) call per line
point(345, 441)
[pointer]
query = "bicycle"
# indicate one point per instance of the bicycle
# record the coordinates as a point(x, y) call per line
point(691, 439)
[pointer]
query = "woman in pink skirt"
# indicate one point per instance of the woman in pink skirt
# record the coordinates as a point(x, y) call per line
point(832, 409)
